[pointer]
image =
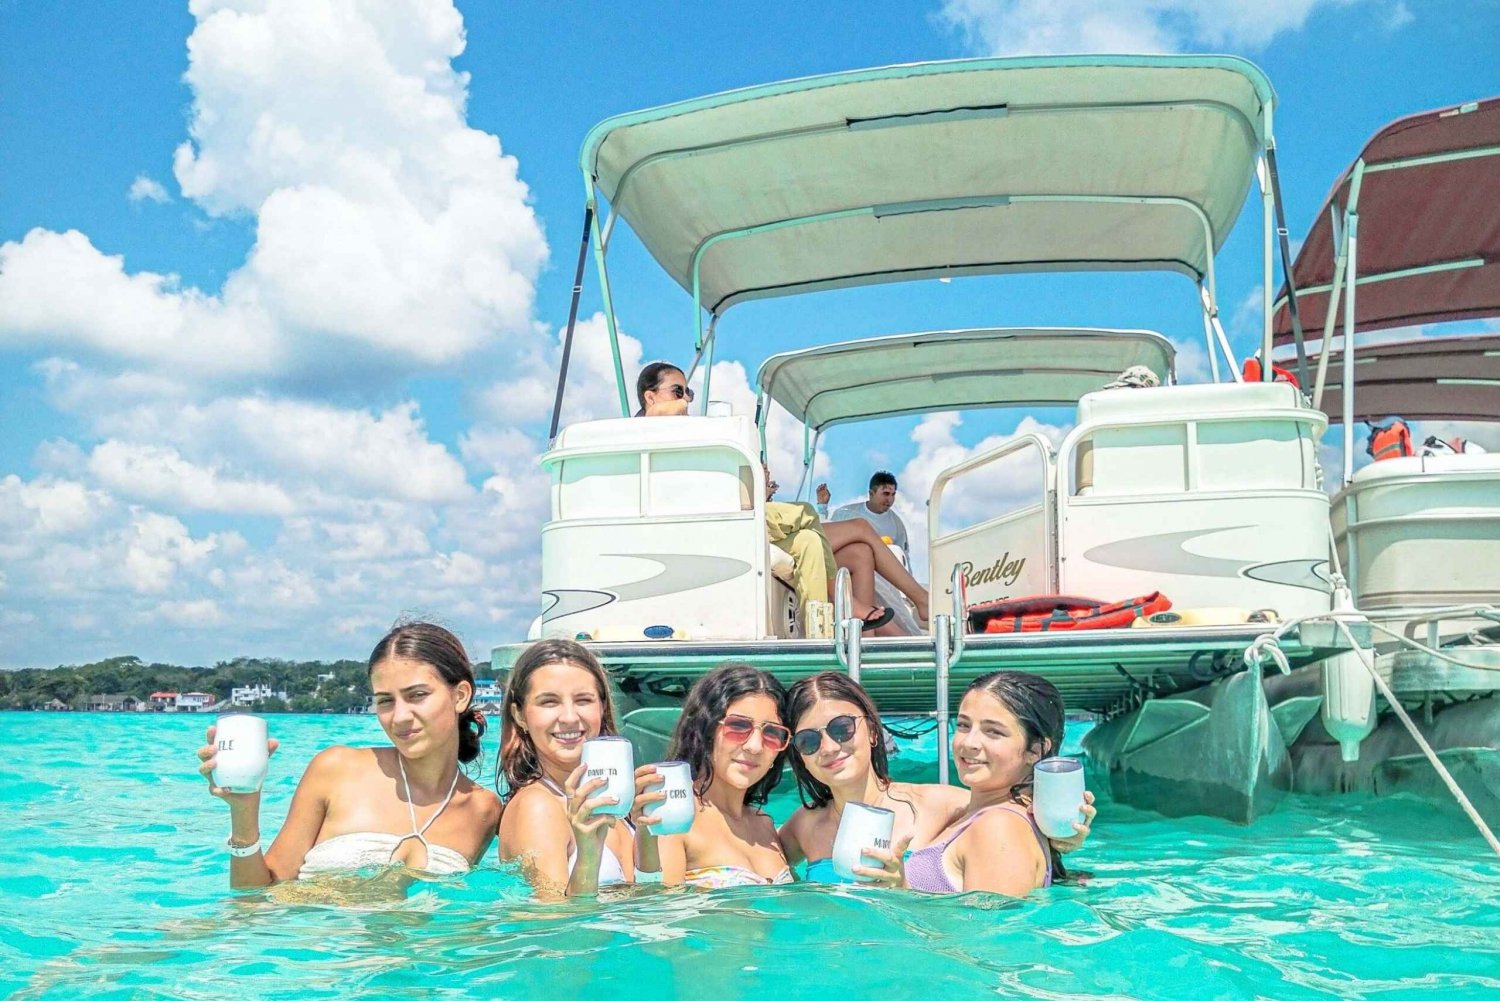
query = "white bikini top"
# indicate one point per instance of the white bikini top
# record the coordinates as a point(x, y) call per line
point(370, 849)
point(610, 869)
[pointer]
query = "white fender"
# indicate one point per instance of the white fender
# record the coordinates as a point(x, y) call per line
point(1349, 713)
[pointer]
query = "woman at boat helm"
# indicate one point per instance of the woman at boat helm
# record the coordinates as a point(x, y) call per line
point(732, 736)
point(408, 804)
point(662, 390)
point(557, 697)
point(838, 757)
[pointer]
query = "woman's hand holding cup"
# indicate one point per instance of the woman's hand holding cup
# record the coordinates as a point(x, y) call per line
point(892, 868)
point(649, 791)
point(208, 760)
point(589, 827)
point(1081, 829)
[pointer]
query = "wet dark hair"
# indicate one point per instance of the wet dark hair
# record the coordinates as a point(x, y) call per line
point(882, 478)
point(1038, 706)
point(517, 759)
point(444, 653)
point(800, 698)
point(649, 377)
point(703, 710)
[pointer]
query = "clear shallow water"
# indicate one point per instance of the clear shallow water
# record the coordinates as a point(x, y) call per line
point(114, 885)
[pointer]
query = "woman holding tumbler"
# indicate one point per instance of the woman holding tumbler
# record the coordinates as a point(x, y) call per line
point(839, 757)
point(731, 735)
point(557, 697)
point(408, 804)
point(1007, 722)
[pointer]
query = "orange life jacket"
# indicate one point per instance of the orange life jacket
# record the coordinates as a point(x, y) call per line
point(1390, 441)
point(1252, 372)
point(1056, 612)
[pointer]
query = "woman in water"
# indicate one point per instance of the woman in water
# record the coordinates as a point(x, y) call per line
point(409, 804)
point(839, 756)
point(557, 697)
point(731, 735)
point(1007, 722)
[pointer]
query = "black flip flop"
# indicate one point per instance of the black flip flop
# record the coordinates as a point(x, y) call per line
point(879, 620)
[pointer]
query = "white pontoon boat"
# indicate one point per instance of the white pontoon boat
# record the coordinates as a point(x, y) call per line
point(656, 552)
point(1410, 235)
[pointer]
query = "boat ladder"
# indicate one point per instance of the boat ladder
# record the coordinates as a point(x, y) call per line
point(947, 648)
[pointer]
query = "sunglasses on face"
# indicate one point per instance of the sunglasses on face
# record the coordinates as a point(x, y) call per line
point(739, 728)
point(678, 390)
point(841, 728)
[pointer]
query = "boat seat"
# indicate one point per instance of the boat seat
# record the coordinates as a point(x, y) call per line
point(780, 563)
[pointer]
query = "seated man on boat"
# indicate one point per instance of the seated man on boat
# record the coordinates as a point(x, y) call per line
point(795, 528)
point(878, 510)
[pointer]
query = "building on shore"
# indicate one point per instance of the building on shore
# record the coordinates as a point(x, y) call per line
point(250, 694)
point(163, 702)
point(55, 706)
point(113, 703)
point(195, 702)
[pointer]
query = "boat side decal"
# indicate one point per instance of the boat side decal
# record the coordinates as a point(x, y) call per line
point(1311, 574)
point(1165, 554)
point(679, 572)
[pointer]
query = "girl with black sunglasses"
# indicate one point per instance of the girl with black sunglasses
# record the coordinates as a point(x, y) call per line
point(839, 756)
point(732, 736)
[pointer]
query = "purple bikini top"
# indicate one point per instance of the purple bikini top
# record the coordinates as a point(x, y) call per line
point(924, 867)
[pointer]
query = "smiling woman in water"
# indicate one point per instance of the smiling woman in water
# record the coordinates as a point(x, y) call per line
point(408, 804)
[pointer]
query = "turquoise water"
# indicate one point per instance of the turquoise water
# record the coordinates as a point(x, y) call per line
point(115, 881)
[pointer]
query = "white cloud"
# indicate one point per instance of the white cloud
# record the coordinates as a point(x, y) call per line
point(197, 613)
point(155, 473)
point(1004, 485)
point(384, 224)
point(1041, 27)
point(145, 189)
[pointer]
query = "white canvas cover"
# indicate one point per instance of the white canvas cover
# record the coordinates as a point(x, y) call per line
point(934, 169)
point(956, 370)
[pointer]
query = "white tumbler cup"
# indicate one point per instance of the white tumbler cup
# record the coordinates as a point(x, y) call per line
point(676, 811)
point(240, 752)
point(861, 827)
point(611, 759)
point(1057, 796)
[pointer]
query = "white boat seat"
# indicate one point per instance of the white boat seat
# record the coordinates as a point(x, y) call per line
point(1407, 465)
point(781, 563)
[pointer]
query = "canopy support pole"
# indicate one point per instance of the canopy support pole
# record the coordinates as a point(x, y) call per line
point(1268, 211)
point(1331, 310)
point(1284, 239)
point(1351, 239)
point(590, 202)
point(562, 371)
point(707, 344)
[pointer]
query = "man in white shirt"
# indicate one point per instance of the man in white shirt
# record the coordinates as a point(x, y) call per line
point(876, 509)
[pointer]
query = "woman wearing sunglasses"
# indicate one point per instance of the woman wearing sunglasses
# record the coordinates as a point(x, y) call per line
point(557, 697)
point(839, 757)
point(731, 734)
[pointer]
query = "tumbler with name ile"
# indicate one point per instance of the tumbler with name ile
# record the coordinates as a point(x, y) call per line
point(240, 752)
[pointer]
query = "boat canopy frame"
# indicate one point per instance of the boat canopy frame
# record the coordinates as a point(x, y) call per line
point(1219, 109)
point(1417, 158)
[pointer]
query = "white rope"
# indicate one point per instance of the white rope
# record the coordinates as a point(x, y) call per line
point(1416, 735)
point(1264, 647)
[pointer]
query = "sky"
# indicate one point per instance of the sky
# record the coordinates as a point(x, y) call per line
point(282, 282)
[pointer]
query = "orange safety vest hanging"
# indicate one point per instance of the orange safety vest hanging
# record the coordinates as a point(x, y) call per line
point(1390, 441)
point(1252, 372)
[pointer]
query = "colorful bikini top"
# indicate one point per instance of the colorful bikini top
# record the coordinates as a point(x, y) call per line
point(722, 877)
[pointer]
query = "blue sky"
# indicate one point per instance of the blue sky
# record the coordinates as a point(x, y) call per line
point(281, 282)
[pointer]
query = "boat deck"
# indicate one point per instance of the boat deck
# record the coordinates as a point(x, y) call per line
point(1102, 671)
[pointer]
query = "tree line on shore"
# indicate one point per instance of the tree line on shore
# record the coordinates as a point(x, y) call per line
point(307, 684)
